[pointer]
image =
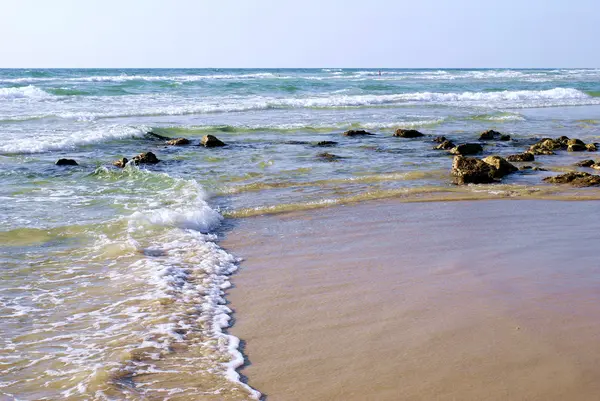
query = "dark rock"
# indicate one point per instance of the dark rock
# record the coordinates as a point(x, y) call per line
point(211, 141)
point(592, 147)
point(576, 147)
point(357, 132)
point(585, 163)
point(576, 179)
point(66, 162)
point(547, 146)
point(145, 158)
point(156, 137)
point(523, 157)
point(500, 165)
point(467, 149)
point(407, 133)
point(440, 139)
point(297, 143)
point(121, 163)
point(326, 143)
point(539, 169)
point(446, 145)
point(526, 168)
point(328, 156)
point(470, 170)
point(491, 135)
point(178, 141)
point(575, 142)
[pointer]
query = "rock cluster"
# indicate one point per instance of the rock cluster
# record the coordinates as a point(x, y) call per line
point(547, 146)
point(471, 170)
point(576, 179)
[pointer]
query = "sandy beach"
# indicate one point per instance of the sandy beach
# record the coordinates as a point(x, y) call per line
point(489, 300)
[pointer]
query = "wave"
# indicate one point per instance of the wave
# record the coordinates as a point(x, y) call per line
point(148, 78)
point(53, 141)
point(31, 92)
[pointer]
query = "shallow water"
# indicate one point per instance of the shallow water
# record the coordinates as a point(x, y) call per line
point(112, 280)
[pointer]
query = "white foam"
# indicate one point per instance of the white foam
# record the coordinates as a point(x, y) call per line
point(58, 141)
point(27, 92)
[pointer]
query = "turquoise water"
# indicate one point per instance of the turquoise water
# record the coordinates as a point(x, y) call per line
point(111, 278)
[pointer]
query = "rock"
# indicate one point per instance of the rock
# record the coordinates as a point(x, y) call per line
point(575, 142)
point(145, 158)
point(440, 139)
point(178, 141)
point(491, 135)
point(500, 165)
point(407, 133)
point(526, 168)
point(121, 163)
point(326, 143)
point(539, 169)
point(576, 147)
point(467, 149)
point(585, 163)
point(211, 141)
point(357, 132)
point(595, 166)
point(592, 147)
point(446, 145)
point(156, 137)
point(66, 162)
point(470, 170)
point(576, 179)
point(547, 146)
point(523, 157)
point(328, 156)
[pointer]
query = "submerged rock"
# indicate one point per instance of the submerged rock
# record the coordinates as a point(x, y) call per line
point(408, 133)
point(178, 141)
point(446, 145)
point(121, 163)
point(523, 157)
point(66, 162)
point(585, 163)
point(467, 149)
point(326, 143)
point(328, 156)
point(493, 135)
point(500, 165)
point(470, 170)
point(145, 158)
point(357, 132)
point(156, 137)
point(211, 141)
point(576, 179)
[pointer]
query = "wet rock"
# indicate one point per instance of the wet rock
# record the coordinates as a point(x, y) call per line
point(156, 137)
point(145, 158)
point(500, 165)
point(595, 166)
point(467, 149)
point(592, 147)
point(576, 179)
point(585, 163)
point(357, 132)
point(121, 163)
point(526, 168)
point(493, 135)
point(470, 170)
point(408, 133)
point(326, 143)
point(539, 169)
point(297, 143)
point(523, 157)
point(446, 145)
point(328, 156)
point(440, 139)
point(66, 162)
point(576, 145)
point(178, 142)
point(211, 141)
point(547, 146)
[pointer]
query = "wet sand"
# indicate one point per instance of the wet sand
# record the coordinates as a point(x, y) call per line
point(489, 300)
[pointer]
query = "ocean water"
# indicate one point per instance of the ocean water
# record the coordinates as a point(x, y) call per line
point(112, 282)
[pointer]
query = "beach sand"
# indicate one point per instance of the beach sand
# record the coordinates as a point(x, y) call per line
point(489, 300)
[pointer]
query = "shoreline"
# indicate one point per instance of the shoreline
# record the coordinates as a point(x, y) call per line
point(381, 300)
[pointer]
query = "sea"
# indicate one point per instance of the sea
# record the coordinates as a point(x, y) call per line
point(113, 285)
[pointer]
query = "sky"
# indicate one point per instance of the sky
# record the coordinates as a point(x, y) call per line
point(308, 33)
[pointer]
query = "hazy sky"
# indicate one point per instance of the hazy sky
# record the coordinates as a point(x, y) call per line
point(308, 33)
